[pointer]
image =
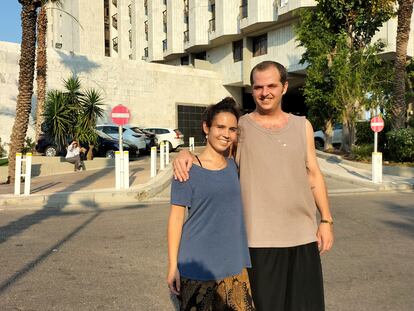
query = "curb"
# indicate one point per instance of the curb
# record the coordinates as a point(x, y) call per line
point(402, 171)
point(95, 199)
point(385, 186)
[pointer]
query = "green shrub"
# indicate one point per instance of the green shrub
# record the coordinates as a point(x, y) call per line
point(362, 152)
point(29, 145)
point(364, 134)
point(400, 145)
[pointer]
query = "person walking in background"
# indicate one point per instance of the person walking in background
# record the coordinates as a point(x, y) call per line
point(208, 252)
point(73, 155)
point(282, 187)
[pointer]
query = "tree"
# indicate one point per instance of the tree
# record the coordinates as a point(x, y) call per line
point(41, 68)
point(72, 114)
point(41, 60)
point(399, 107)
point(336, 33)
point(26, 75)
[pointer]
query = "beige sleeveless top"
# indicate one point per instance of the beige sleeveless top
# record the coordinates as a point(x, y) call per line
point(279, 207)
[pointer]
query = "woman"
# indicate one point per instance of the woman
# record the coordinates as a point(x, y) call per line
point(208, 253)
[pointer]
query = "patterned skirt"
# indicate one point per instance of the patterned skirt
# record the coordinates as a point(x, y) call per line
point(231, 294)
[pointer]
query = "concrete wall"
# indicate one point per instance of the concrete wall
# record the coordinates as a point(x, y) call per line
point(151, 91)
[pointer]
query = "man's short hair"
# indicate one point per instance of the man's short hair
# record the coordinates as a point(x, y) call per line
point(267, 64)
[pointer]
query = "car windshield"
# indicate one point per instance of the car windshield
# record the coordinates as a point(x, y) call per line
point(103, 135)
point(137, 130)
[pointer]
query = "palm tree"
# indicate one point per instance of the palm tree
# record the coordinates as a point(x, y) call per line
point(41, 60)
point(26, 75)
point(41, 68)
point(399, 107)
point(72, 114)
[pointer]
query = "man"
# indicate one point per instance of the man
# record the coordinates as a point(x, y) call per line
point(282, 186)
point(73, 155)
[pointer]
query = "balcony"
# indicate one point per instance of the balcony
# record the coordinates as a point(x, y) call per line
point(186, 36)
point(212, 25)
point(115, 21)
point(115, 44)
point(164, 45)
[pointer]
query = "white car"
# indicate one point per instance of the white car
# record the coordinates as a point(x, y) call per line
point(131, 135)
point(319, 137)
point(173, 136)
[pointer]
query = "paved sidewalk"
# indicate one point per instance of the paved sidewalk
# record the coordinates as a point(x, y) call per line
point(97, 187)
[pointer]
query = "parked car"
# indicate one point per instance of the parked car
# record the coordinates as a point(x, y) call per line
point(319, 137)
point(105, 147)
point(49, 147)
point(173, 136)
point(131, 135)
point(150, 138)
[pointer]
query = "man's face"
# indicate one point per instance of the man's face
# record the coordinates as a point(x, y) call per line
point(268, 90)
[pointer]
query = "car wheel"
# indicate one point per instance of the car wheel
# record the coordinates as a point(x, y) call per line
point(319, 144)
point(110, 154)
point(50, 151)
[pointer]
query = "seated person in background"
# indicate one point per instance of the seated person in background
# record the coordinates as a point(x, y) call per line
point(73, 155)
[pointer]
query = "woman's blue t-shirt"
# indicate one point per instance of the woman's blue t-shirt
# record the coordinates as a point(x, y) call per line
point(213, 242)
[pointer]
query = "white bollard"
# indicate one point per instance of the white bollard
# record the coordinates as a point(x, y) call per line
point(167, 153)
point(17, 174)
point(377, 167)
point(126, 170)
point(191, 143)
point(28, 173)
point(162, 154)
point(153, 161)
point(117, 170)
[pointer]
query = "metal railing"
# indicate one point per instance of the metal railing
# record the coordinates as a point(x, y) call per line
point(115, 21)
point(115, 44)
point(212, 25)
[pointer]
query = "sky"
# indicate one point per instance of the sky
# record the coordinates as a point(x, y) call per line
point(10, 27)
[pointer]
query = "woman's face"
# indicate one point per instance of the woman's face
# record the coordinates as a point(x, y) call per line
point(223, 131)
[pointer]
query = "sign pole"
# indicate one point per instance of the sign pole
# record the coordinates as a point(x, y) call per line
point(377, 125)
point(120, 116)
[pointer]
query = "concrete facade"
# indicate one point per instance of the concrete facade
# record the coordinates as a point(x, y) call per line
point(151, 91)
point(187, 31)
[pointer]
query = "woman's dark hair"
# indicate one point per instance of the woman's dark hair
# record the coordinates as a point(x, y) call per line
point(227, 104)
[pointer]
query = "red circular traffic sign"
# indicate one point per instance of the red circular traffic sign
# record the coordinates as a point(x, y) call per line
point(377, 124)
point(120, 115)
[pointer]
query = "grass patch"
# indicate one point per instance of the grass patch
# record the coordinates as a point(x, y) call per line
point(4, 162)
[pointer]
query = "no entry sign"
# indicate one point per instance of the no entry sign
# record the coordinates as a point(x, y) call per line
point(120, 115)
point(377, 124)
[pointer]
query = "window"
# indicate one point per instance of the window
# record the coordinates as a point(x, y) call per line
point(115, 44)
point(243, 9)
point(146, 7)
point(115, 21)
point(186, 36)
point(146, 30)
point(115, 3)
point(146, 52)
point(260, 45)
point(201, 55)
point(185, 60)
point(164, 45)
point(130, 13)
point(130, 38)
point(238, 51)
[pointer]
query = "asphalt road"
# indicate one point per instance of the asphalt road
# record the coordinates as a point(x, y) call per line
point(115, 258)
